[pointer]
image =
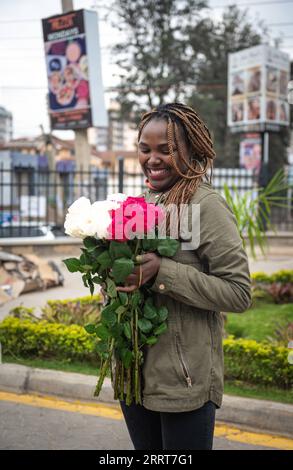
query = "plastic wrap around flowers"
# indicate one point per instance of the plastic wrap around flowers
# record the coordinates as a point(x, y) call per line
point(114, 233)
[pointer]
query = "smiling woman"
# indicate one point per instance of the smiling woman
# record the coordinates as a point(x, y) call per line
point(154, 155)
point(174, 146)
point(183, 372)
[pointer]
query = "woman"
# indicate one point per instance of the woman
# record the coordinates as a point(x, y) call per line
point(183, 371)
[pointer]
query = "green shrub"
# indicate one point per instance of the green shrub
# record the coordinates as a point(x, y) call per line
point(276, 287)
point(260, 277)
point(282, 334)
point(246, 360)
point(79, 311)
point(257, 363)
point(283, 275)
point(43, 339)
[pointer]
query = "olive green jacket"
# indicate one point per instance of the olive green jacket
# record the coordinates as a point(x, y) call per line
point(184, 369)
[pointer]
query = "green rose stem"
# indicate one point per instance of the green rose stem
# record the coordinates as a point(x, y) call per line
point(116, 383)
point(121, 371)
point(135, 345)
point(130, 368)
point(136, 353)
point(128, 387)
point(103, 371)
point(122, 382)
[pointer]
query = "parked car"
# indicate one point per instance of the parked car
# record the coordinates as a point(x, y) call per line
point(26, 231)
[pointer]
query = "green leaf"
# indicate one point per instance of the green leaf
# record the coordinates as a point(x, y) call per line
point(111, 288)
point(136, 298)
point(168, 247)
point(123, 297)
point(127, 330)
point(119, 250)
point(150, 244)
point(90, 283)
point(108, 316)
point(87, 267)
point(102, 332)
point(152, 340)
point(90, 328)
point(143, 338)
point(84, 259)
point(117, 331)
point(84, 278)
point(160, 329)
point(149, 310)
point(126, 355)
point(104, 259)
point(90, 243)
point(145, 325)
point(92, 288)
point(162, 313)
point(122, 267)
point(120, 309)
point(97, 280)
point(73, 264)
point(102, 349)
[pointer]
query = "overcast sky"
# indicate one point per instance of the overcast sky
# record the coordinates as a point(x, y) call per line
point(23, 78)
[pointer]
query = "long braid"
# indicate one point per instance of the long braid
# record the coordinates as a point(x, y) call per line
point(201, 146)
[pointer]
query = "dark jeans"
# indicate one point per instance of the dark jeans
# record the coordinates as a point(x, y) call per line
point(155, 430)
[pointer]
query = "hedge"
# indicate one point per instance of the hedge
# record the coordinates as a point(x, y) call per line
point(283, 275)
point(257, 363)
point(43, 339)
point(246, 360)
point(77, 311)
point(276, 287)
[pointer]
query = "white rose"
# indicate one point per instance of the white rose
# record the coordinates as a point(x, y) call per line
point(80, 221)
point(101, 212)
point(84, 219)
point(81, 204)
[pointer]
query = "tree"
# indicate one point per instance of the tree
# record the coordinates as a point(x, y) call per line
point(155, 56)
point(215, 40)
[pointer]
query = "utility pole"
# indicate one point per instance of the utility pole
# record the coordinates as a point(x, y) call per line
point(82, 147)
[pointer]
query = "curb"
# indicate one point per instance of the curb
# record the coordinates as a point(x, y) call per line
point(263, 415)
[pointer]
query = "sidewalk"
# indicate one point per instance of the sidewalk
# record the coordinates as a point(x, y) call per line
point(251, 414)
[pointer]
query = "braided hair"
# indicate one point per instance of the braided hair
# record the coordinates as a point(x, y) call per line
point(199, 141)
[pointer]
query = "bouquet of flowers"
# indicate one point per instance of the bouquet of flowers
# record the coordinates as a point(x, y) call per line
point(115, 232)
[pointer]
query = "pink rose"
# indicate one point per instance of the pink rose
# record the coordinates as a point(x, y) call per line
point(134, 215)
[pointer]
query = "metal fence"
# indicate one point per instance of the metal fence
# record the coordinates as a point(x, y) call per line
point(30, 197)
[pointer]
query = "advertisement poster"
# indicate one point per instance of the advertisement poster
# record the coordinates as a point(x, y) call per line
point(257, 89)
point(71, 50)
point(250, 152)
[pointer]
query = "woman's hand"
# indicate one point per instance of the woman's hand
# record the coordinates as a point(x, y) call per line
point(149, 264)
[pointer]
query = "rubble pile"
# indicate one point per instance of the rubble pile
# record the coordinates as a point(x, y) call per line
point(20, 274)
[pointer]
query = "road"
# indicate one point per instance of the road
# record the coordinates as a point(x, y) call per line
point(31, 423)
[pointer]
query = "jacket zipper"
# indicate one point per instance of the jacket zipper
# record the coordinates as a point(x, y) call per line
point(183, 363)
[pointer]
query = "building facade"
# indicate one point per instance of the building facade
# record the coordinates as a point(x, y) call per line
point(5, 125)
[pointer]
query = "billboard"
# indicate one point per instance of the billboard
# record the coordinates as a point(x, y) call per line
point(72, 52)
point(251, 152)
point(257, 89)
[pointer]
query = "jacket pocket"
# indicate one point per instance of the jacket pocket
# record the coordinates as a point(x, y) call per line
point(182, 362)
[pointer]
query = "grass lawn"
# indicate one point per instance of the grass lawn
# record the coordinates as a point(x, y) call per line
point(259, 321)
point(242, 389)
point(231, 388)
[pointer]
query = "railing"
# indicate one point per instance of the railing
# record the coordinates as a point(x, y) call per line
point(34, 197)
